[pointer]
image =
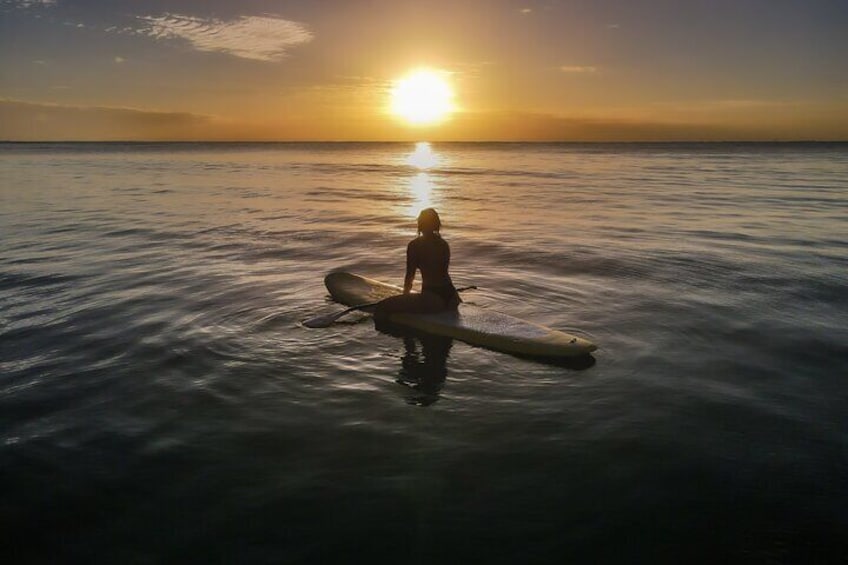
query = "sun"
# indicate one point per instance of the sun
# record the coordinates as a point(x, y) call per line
point(422, 97)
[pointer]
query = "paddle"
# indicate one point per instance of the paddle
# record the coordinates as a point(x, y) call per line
point(327, 320)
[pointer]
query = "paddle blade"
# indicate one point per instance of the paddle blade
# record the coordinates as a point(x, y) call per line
point(327, 320)
point(324, 321)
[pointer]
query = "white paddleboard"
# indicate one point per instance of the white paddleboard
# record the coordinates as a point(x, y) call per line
point(471, 324)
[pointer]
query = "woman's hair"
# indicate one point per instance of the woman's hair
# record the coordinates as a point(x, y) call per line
point(428, 221)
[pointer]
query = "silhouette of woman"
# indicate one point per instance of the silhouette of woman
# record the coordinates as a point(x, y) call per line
point(430, 254)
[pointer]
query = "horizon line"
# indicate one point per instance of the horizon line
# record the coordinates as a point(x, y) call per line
point(539, 141)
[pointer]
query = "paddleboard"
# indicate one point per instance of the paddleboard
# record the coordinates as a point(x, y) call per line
point(471, 324)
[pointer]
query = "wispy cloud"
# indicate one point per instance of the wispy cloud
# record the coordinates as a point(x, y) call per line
point(726, 105)
point(578, 69)
point(28, 3)
point(262, 38)
point(745, 104)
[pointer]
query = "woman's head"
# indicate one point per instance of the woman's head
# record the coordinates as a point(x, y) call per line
point(428, 221)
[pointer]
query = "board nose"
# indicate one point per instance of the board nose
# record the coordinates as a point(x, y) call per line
point(584, 344)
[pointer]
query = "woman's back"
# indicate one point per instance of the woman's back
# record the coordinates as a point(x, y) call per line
point(431, 255)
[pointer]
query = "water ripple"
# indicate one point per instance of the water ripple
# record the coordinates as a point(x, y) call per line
point(152, 356)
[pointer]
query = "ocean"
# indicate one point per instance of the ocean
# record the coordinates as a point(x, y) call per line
point(160, 401)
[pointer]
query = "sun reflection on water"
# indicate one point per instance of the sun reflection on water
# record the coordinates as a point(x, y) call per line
point(420, 182)
point(421, 189)
point(422, 186)
point(423, 157)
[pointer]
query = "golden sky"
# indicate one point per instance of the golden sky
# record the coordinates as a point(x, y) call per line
point(518, 70)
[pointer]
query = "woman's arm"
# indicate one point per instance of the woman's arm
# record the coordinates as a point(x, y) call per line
point(411, 266)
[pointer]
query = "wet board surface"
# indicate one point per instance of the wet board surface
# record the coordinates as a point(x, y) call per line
point(471, 324)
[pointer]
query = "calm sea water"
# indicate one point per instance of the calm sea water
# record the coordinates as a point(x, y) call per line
point(159, 401)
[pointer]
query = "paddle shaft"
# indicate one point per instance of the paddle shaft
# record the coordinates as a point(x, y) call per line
point(325, 321)
point(369, 304)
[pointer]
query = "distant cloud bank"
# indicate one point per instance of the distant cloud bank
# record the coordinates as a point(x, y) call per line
point(27, 121)
point(31, 121)
point(260, 38)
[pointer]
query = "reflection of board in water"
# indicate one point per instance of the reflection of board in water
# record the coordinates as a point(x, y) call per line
point(471, 324)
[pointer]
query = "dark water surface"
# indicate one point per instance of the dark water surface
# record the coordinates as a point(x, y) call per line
point(159, 401)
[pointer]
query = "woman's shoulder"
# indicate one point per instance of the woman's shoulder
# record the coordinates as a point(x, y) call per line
point(431, 245)
point(428, 239)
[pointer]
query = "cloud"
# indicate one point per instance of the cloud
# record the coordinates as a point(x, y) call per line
point(578, 69)
point(261, 38)
point(29, 3)
point(510, 126)
point(26, 121)
point(34, 121)
point(745, 104)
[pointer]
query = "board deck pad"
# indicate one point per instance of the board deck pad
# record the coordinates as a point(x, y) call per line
point(471, 324)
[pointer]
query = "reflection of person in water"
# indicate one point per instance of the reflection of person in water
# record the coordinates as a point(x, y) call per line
point(425, 372)
point(430, 254)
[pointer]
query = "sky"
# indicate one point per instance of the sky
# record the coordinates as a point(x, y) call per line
point(520, 70)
